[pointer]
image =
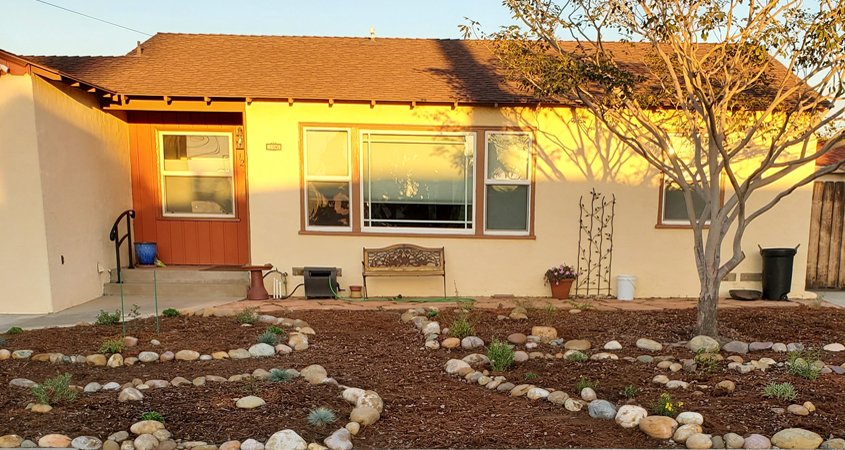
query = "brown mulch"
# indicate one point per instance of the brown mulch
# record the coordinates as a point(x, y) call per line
point(424, 407)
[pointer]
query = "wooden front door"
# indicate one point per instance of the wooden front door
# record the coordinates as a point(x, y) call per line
point(189, 187)
point(825, 268)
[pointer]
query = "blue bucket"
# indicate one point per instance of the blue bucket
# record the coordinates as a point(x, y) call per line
point(146, 253)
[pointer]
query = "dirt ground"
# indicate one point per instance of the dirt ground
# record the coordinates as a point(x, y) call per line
point(425, 407)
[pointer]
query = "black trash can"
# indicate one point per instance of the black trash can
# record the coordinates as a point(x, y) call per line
point(777, 272)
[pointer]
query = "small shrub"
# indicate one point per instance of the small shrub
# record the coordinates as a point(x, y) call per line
point(171, 312)
point(706, 362)
point(630, 391)
point(152, 415)
point(3, 341)
point(54, 391)
point(780, 391)
point(278, 331)
point(577, 356)
point(431, 313)
point(268, 337)
point(107, 318)
point(665, 406)
point(111, 346)
point(584, 382)
point(500, 355)
point(247, 316)
point(461, 327)
point(14, 330)
point(531, 376)
point(806, 364)
point(321, 417)
point(280, 376)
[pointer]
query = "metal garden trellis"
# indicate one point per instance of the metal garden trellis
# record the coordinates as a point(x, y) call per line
point(595, 245)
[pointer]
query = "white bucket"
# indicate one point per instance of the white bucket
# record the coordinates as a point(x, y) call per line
point(625, 286)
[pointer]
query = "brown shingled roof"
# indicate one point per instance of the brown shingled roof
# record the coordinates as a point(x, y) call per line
point(339, 68)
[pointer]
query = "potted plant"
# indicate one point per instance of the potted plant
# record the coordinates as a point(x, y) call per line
point(560, 278)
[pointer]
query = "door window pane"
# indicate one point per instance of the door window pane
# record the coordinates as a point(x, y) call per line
point(506, 206)
point(196, 153)
point(418, 181)
point(198, 195)
point(328, 203)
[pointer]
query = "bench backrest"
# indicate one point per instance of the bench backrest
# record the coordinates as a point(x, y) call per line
point(404, 259)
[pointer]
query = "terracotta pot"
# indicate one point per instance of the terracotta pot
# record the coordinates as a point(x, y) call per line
point(561, 288)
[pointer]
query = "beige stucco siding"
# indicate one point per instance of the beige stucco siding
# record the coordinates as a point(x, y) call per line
point(84, 160)
point(24, 274)
point(570, 163)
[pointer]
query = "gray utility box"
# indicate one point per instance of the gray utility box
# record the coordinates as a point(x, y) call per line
point(320, 282)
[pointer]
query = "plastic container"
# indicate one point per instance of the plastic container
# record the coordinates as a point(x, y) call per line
point(625, 287)
point(146, 253)
point(777, 272)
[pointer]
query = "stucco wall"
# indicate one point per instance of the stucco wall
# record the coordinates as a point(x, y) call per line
point(24, 274)
point(84, 159)
point(568, 167)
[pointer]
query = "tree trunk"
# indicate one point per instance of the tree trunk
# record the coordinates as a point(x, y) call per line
point(706, 323)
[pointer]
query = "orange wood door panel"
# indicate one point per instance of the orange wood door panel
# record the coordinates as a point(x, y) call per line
point(185, 240)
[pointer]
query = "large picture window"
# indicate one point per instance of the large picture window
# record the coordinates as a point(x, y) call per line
point(417, 181)
point(327, 179)
point(197, 174)
point(507, 182)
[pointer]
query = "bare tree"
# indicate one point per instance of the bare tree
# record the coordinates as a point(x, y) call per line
point(709, 92)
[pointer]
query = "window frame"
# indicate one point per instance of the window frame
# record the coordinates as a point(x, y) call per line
point(529, 182)
point(326, 178)
point(470, 142)
point(680, 224)
point(183, 173)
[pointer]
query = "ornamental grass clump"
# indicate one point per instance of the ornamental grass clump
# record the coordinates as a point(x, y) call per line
point(665, 406)
point(806, 364)
point(14, 330)
point(461, 327)
point(54, 391)
point(268, 337)
point(247, 316)
point(152, 415)
point(321, 417)
point(280, 376)
point(3, 341)
point(171, 312)
point(630, 391)
point(584, 382)
point(780, 391)
point(577, 356)
point(278, 331)
point(500, 355)
point(108, 318)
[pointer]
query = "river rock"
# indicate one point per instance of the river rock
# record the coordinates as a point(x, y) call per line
point(519, 313)
point(40, 408)
point(733, 440)
point(601, 409)
point(756, 441)
point(456, 366)
point(834, 347)
point(837, 443)
point(22, 383)
point(557, 397)
point(798, 410)
point(250, 402)
point(796, 438)
point(658, 427)
point(736, 347)
point(262, 350)
point(230, 445)
point(537, 393)
point(629, 416)
point(10, 441)
point(21, 354)
point(187, 355)
point(650, 345)
point(517, 338)
point(573, 405)
point(760, 346)
point(577, 344)
point(341, 439)
point(148, 357)
point(145, 442)
point(520, 356)
point(145, 427)
point(471, 342)
point(314, 374)
point(703, 343)
point(451, 343)
point(587, 394)
point(689, 417)
point(130, 394)
point(86, 443)
point(239, 353)
point(613, 345)
point(251, 444)
point(685, 431)
point(431, 328)
point(699, 440)
point(54, 440)
point(364, 415)
point(545, 334)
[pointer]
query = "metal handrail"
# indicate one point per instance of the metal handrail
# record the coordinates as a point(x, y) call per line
point(129, 214)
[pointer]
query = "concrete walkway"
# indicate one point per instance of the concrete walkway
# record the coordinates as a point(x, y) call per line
point(87, 312)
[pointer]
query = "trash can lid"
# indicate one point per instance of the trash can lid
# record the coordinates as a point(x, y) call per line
point(775, 252)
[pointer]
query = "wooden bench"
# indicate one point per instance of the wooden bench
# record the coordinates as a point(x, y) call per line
point(404, 260)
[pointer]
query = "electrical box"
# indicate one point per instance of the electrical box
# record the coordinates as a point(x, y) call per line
point(320, 282)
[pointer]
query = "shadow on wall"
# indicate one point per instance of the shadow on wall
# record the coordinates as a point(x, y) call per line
point(571, 144)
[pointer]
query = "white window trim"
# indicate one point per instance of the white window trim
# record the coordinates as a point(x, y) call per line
point(186, 173)
point(470, 142)
point(326, 178)
point(493, 182)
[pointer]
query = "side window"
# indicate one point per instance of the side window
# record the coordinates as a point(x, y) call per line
point(327, 179)
point(507, 183)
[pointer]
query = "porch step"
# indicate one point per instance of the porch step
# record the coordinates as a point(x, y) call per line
point(180, 283)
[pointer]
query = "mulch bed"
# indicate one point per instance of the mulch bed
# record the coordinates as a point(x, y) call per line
point(425, 407)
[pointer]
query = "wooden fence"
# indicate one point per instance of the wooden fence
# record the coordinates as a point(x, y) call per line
point(824, 257)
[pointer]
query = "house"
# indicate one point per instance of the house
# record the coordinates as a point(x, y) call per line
point(300, 151)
